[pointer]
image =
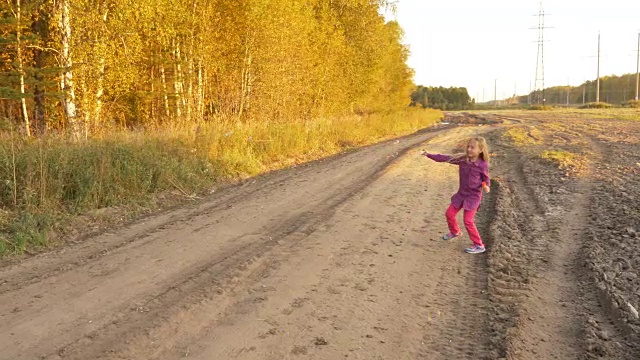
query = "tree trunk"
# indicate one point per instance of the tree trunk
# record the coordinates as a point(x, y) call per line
point(163, 77)
point(153, 92)
point(177, 83)
point(200, 92)
point(68, 87)
point(40, 123)
point(249, 89)
point(246, 81)
point(97, 110)
point(39, 27)
point(176, 90)
point(23, 100)
point(190, 99)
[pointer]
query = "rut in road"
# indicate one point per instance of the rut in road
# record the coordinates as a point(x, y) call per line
point(276, 267)
point(374, 282)
point(545, 304)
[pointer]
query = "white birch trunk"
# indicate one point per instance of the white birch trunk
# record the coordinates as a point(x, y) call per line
point(181, 95)
point(164, 89)
point(244, 80)
point(153, 91)
point(23, 100)
point(200, 92)
point(190, 98)
point(176, 83)
point(68, 88)
point(249, 82)
point(192, 101)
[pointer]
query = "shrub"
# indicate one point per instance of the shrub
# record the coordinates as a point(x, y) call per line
point(596, 105)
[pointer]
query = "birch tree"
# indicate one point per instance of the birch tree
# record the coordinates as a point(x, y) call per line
point(134, 63)
point(66, 82)
point(16, 66)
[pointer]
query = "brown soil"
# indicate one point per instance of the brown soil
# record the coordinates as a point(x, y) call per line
point(342, 259)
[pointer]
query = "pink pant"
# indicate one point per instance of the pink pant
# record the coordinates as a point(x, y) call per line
point(469, 223)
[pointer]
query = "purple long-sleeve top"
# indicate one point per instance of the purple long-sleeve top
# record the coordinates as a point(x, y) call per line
point(472, 175)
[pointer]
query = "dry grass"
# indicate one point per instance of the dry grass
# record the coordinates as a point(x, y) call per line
point(560, 157)
point(631, 114)
point(574, 164)
point(628, 113)
point(520, 136)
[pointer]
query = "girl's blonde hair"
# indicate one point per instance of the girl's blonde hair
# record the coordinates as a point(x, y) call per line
point(484, 150)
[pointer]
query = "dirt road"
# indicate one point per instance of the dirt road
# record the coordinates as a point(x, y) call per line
point(337, 259)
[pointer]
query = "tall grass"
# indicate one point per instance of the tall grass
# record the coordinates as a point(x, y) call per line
point(45, 182)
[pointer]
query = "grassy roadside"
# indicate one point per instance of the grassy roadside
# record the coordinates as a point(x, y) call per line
point(45, 183)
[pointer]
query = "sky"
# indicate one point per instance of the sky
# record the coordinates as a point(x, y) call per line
point(473, 43)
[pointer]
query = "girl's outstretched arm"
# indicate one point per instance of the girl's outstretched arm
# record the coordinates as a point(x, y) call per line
point(438, 157)
point(451, 159)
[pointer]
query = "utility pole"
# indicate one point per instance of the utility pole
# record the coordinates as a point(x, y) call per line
point(495, 92)
point(568, 91)
point(598, 77)
point(584, 93)
point(638, 68)
point(539, 80)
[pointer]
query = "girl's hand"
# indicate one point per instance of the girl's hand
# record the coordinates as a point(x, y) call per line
point(486, 188)
point(423, 152)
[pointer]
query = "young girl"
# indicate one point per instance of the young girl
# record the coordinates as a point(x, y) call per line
point(474, 177)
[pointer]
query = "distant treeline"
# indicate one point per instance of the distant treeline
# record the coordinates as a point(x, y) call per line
point(613, 89)
point(452, 98)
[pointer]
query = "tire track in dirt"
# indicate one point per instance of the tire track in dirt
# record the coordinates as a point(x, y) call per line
point(550, 308)
point(141, 291)
point(535, 263)
point(552, 320)
point(613, 332)
point(371, 285)
point(79, 252)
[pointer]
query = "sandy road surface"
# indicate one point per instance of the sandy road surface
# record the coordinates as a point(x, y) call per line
point(341, 259)
point(331, 260)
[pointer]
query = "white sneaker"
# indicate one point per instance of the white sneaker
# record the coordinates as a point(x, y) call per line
point(475, 249)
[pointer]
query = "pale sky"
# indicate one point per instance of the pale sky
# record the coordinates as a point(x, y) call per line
point(472, 42)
